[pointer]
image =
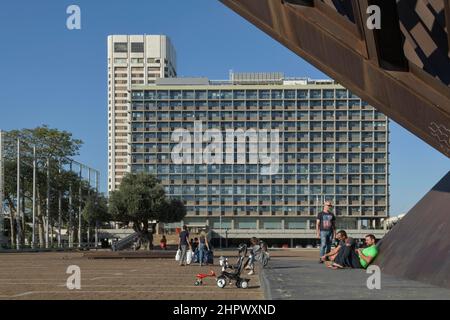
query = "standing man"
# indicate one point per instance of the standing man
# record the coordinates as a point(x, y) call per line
point(325, 229)
point(183, 243)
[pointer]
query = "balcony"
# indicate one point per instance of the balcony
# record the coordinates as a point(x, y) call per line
point(228, 213)
point(355, 180)
point(290, 180)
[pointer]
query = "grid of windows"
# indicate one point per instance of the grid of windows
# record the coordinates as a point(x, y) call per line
point(332, 146)
point(124, 69)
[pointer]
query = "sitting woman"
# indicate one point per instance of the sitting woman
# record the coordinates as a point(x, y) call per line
point(349, 257)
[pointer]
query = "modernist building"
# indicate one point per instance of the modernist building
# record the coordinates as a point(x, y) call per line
point(132, 60)
point(332, 146)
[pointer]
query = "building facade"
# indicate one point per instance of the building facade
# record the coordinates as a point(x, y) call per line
point(331, 146)
point(132, 60)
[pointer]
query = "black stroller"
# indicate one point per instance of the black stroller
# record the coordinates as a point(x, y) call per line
point(234, 273)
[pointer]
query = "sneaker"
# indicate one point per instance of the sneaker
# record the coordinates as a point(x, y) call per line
point(251, 272)
point(320, 261)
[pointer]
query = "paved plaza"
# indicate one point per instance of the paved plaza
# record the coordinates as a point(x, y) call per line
point(291, 274)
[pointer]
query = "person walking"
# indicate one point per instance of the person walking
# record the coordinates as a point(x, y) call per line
point(325, 229)
point(183, 244)
point(203, 248)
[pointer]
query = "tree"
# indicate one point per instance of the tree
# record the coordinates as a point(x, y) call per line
point(52, 145)
point(173, 211)
point(141, 198)
point(95, 211)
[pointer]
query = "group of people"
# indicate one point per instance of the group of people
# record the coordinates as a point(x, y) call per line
point(345, 254)
point(199, 245)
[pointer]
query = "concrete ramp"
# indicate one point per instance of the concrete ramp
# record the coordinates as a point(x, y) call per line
point(418, 247)
point(126, 242)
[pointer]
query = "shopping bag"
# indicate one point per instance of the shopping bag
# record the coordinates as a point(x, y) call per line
point(189, 256)
point(209, 257)
point(178, 255)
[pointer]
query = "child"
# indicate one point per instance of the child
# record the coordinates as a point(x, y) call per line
point(255, 254)
point(163, 243)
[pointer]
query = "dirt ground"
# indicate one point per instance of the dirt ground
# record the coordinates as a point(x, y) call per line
point(43, 276)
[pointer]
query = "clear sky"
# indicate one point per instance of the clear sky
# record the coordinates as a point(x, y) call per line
point(50, 75)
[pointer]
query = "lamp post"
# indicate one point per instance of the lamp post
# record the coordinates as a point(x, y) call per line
point(33, 236)
point(18, 208)
point(220, 227)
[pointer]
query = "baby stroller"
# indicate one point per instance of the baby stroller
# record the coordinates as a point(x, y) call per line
point(234, 273)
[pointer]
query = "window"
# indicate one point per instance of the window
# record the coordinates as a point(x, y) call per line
point(341, 94)
point(272, 224)
point(120, 47)
point(296, 224)
point(328, 94)
point(137, 47)
point(380, 189)
point(188, 95)
point(302, 94)
point(316, 94)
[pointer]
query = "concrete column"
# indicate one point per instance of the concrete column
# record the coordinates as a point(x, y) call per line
point(258, 225)
point(232, 224)
point(308, 224)
point(292, 243)
point(283, 225)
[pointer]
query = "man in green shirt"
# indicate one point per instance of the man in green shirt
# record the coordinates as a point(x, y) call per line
point(369, 253)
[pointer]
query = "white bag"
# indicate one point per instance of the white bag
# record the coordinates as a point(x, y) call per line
point(189, 255)
point(178, 255)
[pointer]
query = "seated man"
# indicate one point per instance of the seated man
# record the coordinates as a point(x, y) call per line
point(341, 236)
point(360, 258)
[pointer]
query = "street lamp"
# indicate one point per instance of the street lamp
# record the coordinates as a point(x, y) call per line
point(220, 227)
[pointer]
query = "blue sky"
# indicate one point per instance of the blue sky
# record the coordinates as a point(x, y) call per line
point(50, 75)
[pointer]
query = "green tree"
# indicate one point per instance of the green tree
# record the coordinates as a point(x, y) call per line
point(95, 211)
point(53, 147)
point(173, 211)
point(140, 199)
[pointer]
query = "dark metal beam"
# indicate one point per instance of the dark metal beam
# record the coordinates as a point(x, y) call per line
point(418, 103)
point(447, 21)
